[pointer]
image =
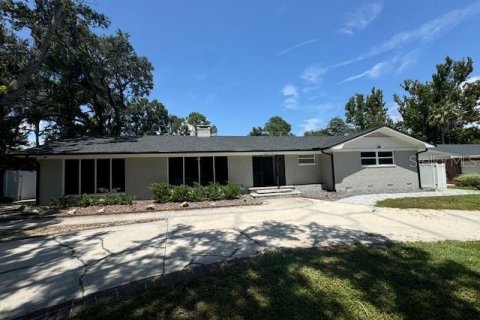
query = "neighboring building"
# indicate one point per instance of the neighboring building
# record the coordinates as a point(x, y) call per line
point(377, 159)
point(458, 158)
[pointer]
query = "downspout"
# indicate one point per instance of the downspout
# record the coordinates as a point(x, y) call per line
point(418, 168)
point(333, 169)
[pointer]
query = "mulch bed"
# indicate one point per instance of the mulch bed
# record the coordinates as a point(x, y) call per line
point(146, 206)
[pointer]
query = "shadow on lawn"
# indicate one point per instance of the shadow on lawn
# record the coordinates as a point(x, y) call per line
point(352, 282)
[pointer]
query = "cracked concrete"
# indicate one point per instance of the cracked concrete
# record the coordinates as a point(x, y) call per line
point(41, 272)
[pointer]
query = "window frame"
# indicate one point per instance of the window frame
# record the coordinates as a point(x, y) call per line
point(94, 178)
point(307, 157)
point(199, 159)
point(377, 159)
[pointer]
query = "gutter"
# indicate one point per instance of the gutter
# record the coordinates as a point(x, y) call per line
point(333, 169)
point(418, 168)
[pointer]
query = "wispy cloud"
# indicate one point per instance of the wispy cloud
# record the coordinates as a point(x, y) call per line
point(290, 94)
point(310, 124)
point(362, 17)
point(373, 72)
point(313, 75)
point(297, 46)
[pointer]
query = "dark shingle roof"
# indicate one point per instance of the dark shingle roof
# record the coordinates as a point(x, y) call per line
point(182, 144)
point(458, 149)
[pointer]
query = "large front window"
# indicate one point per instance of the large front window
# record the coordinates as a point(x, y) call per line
point(203, 170)
point(93, 176)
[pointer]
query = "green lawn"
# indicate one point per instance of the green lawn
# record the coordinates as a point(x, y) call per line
point(463, 202)
point(414, 281)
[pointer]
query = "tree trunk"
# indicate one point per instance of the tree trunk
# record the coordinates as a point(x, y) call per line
point(37, 133)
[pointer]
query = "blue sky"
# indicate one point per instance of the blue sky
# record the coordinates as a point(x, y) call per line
point(241, 62)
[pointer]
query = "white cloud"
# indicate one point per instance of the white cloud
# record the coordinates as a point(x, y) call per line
point(310, 124)
point(373, 72)
point(298, 45)
point(429, 31)
point(362, 17)
point(473, 79)
point(290, 92)
point(313, 74)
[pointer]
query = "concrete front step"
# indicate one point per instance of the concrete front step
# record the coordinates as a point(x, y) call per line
point(291, 193)
point(270, 188)
point(265, 191)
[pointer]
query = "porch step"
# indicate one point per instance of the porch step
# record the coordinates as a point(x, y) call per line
point(266, 191)
point(270, 188)
point(289, 193)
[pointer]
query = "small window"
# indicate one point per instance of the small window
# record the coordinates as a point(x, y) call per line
point(376, 158)
point(307, 159)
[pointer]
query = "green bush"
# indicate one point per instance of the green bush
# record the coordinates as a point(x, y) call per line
point(468, 180)
point(231, 191)
point(164, 193)
point(86, 200)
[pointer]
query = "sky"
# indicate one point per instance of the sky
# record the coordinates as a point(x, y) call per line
point(241, 62)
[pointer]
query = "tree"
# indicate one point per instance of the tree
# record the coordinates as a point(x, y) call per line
point(443, 109)
point(257, 131)
point(277, 126)
point(335, 127)
point(365, 112)
point(143, 117)
point(178, 126)
point(195, 119)
point(45, 21)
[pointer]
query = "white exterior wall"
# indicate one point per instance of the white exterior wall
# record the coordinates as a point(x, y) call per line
point(302, 174)
point(50, 184)
point(325, 163)
point(240, 170)
point(350, 175)
point(141, 172)
point(471, 166)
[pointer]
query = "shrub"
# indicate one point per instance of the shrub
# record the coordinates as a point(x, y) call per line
point(86, 200)
point(162, 192)
point(213, 192)
point(468, 180)
point(181, 193)
point(231, 191)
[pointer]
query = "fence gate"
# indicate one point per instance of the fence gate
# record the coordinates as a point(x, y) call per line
point(433, 176)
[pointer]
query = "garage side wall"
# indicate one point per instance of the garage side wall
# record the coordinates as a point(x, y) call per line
point(141, 172)
point(350, 175)
point(50, 184)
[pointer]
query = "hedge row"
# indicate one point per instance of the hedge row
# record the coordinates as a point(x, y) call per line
point(164, 192)
point(468, 180)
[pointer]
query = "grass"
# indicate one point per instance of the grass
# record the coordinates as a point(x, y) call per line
point(415, 281)
point(461, 202)
point(463, 187)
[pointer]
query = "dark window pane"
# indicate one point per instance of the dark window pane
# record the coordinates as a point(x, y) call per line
point(221, 170)
point(368, 154)
point(88, 176)
point(206, 170)
point(118, 175)
point(385, 161)
point(175, 171)
point(71, 177)
point(369, 162)
point(385, 154)
point(103, 174)
point(191, 170)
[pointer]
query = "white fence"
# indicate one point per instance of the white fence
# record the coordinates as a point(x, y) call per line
point(433, 176)
point(20, 185)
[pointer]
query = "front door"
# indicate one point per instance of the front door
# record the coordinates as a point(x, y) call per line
point(268, 171)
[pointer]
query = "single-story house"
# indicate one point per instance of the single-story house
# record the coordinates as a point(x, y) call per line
point(377, 159)
point(458, 158)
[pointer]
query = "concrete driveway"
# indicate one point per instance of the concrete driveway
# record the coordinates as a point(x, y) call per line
point(36, 273)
